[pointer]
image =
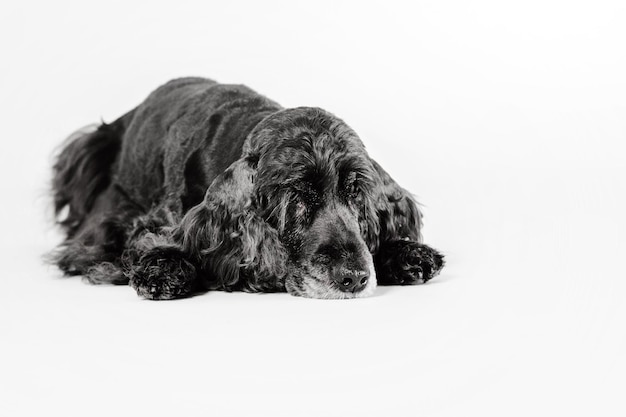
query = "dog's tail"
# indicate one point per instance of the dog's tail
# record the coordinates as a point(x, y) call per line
point(82, 170)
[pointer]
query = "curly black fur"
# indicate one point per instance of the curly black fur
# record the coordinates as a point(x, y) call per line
point(209, 186)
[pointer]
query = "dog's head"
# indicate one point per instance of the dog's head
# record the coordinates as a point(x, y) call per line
point(298, 206)
point(314, 185)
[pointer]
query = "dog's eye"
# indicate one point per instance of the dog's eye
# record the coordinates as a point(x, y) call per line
point(353, 190)
point(351, 187)
point(301, 208)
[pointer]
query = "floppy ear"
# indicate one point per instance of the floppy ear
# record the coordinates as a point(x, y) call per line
point(232, 245)
point(399, 217)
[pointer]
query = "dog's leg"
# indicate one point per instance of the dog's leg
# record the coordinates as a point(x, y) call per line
point(163, 273)
point(401, 257)
point(157, 267)
point(406, 262)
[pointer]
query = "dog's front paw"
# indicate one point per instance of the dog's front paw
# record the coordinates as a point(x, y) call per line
point(405, 262)
point(162, 274)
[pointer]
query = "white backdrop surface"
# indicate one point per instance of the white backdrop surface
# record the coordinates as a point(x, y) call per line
point(507, 120)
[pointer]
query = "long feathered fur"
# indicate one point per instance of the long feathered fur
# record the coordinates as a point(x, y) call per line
point(82, 171)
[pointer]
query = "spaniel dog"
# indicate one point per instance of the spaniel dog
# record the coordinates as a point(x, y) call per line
point(208, 186)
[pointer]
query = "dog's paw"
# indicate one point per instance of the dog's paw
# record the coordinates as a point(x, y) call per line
point(163, 273)
point(405, 262)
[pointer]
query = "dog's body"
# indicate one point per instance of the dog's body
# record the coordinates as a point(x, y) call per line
point(211, 186)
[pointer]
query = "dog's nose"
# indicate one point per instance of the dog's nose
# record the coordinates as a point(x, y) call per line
point(352, 281)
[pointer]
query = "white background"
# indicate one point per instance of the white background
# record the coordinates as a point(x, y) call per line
point(506, 119)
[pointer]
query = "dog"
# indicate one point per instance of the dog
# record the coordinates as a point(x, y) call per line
point(207, 186)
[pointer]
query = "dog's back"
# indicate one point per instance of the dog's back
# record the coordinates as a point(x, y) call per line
point(186, 133)
point(163, 153)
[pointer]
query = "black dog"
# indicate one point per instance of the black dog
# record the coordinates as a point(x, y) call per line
point(209, 186)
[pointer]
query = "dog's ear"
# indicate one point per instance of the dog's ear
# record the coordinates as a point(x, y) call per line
point(398, 214)
point(234, 247)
